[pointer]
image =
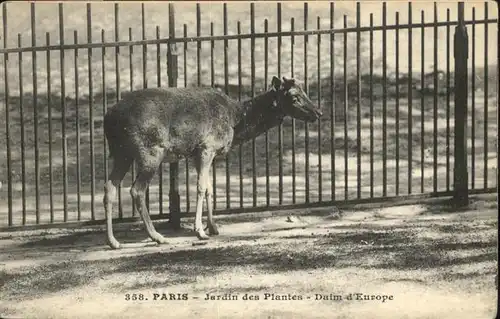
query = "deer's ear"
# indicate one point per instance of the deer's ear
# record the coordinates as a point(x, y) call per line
point(276, 83)
point(288, 83)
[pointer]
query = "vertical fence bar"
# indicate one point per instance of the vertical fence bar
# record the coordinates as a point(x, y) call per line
point(7, 115)
point(266, 75)
point(131, 80)
point(461, 46)
point(320, 170)
point(158, 84)
point(240, 150)
point(144, 49)
point(384, 99)
point(91, 111)
point(49, 111)
point(212, 84)
point(422, 103)
point(104, 100)
point(306, 89)
point(448, 84)
point(371, 108)
point(346, 103)
point(184, 61)
point(198, 45)
point(473, 100)
point(117, 51)
point(294, 164)
point(78, 137)
point(63, 107)
point(435, 106)
point(332, 97)
point(358, 95)
point(35, 114)
point(485, 132)
point(118, 91)
point(280, 128)
point(144, 70)
point(23, 147)
point(226, 90)
point(397, 102)
point(410, 99)
point(174, 197)
point(252, 72)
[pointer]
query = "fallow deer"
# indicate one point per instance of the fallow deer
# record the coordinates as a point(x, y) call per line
point(156, 125)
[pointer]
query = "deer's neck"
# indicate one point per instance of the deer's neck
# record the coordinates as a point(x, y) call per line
point(257, 116)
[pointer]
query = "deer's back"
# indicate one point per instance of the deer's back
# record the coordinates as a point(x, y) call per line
point(179, 119)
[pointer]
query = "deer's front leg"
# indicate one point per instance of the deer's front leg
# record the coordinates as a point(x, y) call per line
point(212, 228)
point(198, 225)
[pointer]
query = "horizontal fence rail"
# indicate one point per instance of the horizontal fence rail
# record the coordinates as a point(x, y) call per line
point(387, 132)
point(239, 36)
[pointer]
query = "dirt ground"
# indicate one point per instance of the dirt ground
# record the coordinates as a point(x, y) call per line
point(418, 261)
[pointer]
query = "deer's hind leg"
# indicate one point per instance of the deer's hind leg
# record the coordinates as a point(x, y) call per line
point(121, 166)
point(147, 166)
point(203, 161)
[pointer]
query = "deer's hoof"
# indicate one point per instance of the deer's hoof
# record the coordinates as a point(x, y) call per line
point(159, 239)
point(200, 233)
point(213, 230)
point(113, 243)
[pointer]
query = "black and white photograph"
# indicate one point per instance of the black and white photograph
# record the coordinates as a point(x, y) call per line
point(249, 159)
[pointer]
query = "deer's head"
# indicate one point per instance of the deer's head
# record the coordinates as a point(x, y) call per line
point(292, 101)
point(284, 98)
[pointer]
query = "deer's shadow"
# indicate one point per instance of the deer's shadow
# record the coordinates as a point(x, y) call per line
point(94, 238)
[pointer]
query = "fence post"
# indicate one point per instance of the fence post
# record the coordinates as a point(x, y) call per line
point(461, 45)
point(174, 198)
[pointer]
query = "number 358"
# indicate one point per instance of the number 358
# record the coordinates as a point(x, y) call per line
point(134, 297)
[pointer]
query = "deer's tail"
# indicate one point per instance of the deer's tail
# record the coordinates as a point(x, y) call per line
point(109, 132)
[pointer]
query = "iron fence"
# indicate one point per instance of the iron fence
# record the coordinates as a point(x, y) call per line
point(373, 142)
